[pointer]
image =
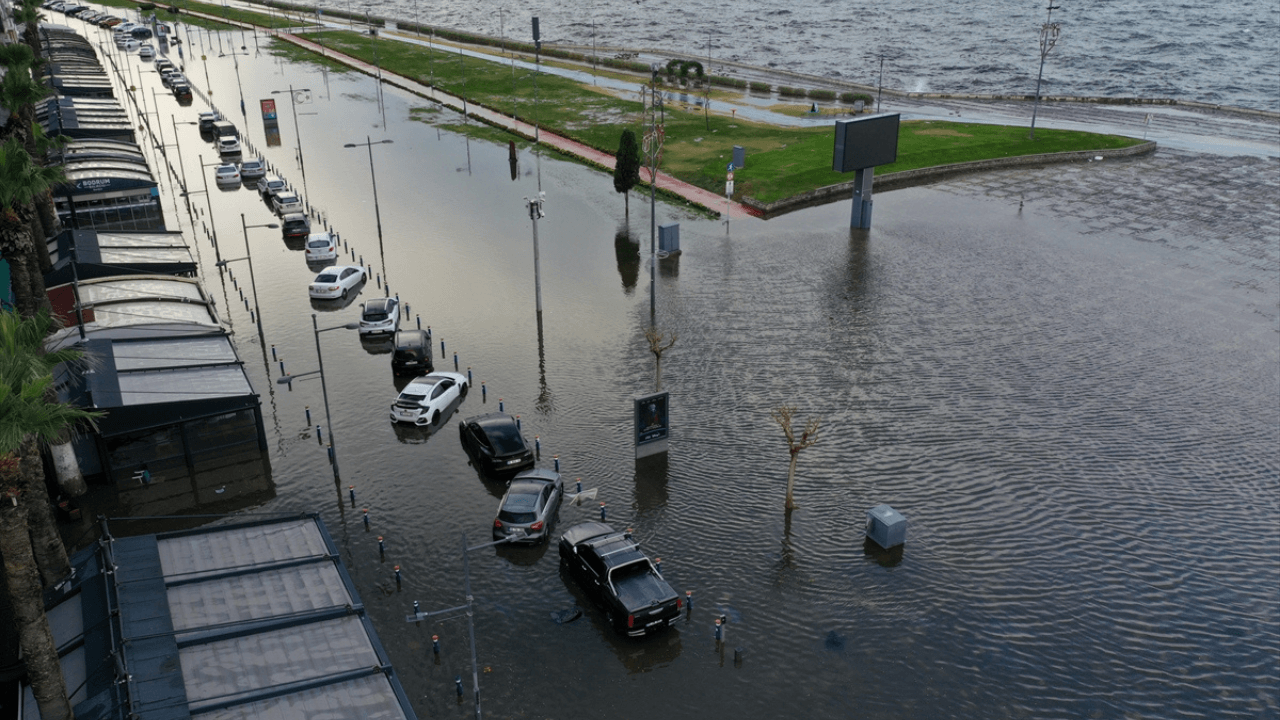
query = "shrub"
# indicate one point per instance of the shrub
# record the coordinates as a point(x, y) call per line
point(852, 98)
point(727, 81)
point(822, 94)
point(791, 92)
point(761, 87)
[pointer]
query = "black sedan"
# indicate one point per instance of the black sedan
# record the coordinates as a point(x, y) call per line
point(528, 511)
point(495, 445)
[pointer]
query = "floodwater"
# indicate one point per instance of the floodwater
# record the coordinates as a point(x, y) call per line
point(1079, 428)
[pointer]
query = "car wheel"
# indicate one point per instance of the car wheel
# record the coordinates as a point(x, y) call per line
point(344, 294)
point(463, 391)
point(435, 419)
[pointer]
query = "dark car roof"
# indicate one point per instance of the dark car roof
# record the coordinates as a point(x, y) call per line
point(502, 431)
point(613, 547)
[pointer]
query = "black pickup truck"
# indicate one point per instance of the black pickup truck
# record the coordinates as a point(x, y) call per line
point(619, 578)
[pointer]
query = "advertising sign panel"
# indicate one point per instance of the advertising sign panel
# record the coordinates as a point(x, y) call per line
point(653, 424)
point(269, 112)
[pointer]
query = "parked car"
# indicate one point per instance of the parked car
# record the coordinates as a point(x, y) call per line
point(111, 22)
point(610, 567)
point(271, 184)
point(425, 399)
point(253, 169)
point(320, 247)
point(128, 44)
point(227, 174)
point(145, 51)
point(163, 64)
point(182, 92)
point(381, 316)
point(529, 509)
point(412, 354)
point(207, 119)
point(282, 203)
point(141, 33)
point(228, 146)
point(495, 445)
point(166, 74)
point(295, 226)
point(336, 281)
point(223, 128)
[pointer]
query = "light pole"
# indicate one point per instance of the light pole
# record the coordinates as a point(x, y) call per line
point(178, 145)
point(288, 380)
point(537, 68)
point(1048, 38)
point(209, 201)
point(293, 105)
point(377, 213)
point(880, 84)
point(535, 213)
point(249, 257)
point(653, 148)
point(235, 57)
point(373, 32)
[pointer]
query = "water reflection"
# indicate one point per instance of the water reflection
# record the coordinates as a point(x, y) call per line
point(628, 251)
point(651, 484)
point(522, 555)
point(377, 344)
point(669, 267)
point(884, 558)
point(411, 434)
point(637, 655)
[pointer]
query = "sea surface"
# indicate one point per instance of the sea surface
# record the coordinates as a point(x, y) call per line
point(1224, 53)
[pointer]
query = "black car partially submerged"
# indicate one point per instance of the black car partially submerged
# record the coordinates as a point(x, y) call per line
point(412, 355)
point(495, 444)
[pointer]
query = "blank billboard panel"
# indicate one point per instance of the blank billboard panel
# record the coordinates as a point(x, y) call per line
point(865, 142)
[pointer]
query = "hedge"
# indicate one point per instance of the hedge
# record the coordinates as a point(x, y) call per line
point(822, 94)
point(761, 87)
point(791, 92)
point(852, 98)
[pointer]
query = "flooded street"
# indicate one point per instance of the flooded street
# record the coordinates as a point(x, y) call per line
point(1079, 426)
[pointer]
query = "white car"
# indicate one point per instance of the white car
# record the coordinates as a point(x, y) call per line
point(228, 146)
point(321, 247)
point(270, 184)
point(380, 316)
point(146, 51)
point(227, 174)
point(286, 202)
point(336, 281)
point(253, 169)
point(425, 399)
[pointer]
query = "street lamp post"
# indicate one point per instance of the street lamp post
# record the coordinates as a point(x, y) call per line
point(249, 257)
point(324, 390)
point(181, 164)
point(1048, 38)
point(293, 105)
point(535, 213)
point(377, 213)
point(209, 201)
point(235, 57)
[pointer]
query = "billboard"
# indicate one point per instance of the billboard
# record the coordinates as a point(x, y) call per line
point(652, 422)
point(865, 142)
point(269, 112)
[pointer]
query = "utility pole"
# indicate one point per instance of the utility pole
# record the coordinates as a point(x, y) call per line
point(653, 139)
point(1049, 32)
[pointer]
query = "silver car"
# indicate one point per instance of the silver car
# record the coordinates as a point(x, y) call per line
point(529, 509)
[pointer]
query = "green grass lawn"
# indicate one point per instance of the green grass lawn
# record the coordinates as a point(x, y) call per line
point(781, 161)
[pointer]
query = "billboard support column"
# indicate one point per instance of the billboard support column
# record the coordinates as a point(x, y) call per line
point(862, 180)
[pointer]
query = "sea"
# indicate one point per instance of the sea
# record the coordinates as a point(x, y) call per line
point(1224, 53)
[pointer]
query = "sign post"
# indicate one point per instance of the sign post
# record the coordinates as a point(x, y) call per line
point(860, 146)
point(653, 424)
point(728, 194)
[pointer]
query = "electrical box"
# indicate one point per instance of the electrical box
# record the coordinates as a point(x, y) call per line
point(669, 238)
point(886, 527)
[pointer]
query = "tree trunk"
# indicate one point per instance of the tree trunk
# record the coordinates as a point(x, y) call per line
point(67, 467)
point(48, 220)
point(15, 246)
point(791, 481)
point(46, 542)
point(38, 650)
point(626, 200)
point(657, 373)
point(21, 281)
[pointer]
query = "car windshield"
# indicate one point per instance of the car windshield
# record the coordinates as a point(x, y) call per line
point(375, 316)
point(505, 438)
point(326, 278)
point(412, 398)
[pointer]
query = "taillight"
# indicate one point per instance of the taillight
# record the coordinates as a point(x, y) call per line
point(679, 603)
point(536, 526)
point(631, 621)
point(497, 523)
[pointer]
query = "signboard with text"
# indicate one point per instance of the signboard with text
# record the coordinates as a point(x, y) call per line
point(653, 424)
point(269, 118)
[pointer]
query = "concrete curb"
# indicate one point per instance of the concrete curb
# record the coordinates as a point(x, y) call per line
point(924, 176)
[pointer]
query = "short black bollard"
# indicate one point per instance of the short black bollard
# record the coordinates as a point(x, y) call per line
point(457, 680)
point(537, 446)
point(417, 611)
point(382, 549)
point(419, 319)
point(282, 366)
point(484, 392)
point(351, 490)
point(319, 435)
point(737, 657)
point(518, 426)
point(435, 644)
point(719, 630)
point(501, 405)
point(455, 362)
point(557, 459)
point(469, 381)
point(603, 513)
point(379, 279)
point(397, 577)
point(273, 352)
point(579, 485)
point(428, 332)
point(442, 355)
point(657, 565)
point(329, 448)
point(365, 512)
point(308, 409)
point(688, 600)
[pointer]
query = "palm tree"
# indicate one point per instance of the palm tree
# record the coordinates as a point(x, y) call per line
point(26, 415)
point(21, 181)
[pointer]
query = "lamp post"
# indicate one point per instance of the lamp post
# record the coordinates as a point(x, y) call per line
point(1048, 38)
point(288, 380)
point(178, 145)
point(209, 201)
point(235, 56)
point(535, 213)
point(377, 213)
point(249, 257)
point(373, 32)
point(293, 105)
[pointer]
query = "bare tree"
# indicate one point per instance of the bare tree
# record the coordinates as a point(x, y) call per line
point(657, 347)
point(809, 437)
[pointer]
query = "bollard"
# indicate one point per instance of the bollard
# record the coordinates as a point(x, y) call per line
point(361, 259)
point(435, 644)
point(442, 355)
point(657, 565)
point(719, 631)
point(602, 512)
point(387, 290)
point(382, 547)
point(308, 409)
point(428, 332)
point(332, 458)
point(518, 427)
point(419, 319)
point(455, 362)
point(484, 392)
point(469, 381)
point(319, 435)
point(378, 276)
point(688, 600)
point(557, 459)
point(737, 657)
point(416, 610)
point(366, 517)
point(252, 319)
point(273, 352)
point(351, 490)
point(282, 366)
point(457, 680)
point(501, 405)
point(579, 485)
point(397, 577)
point(537, 446)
